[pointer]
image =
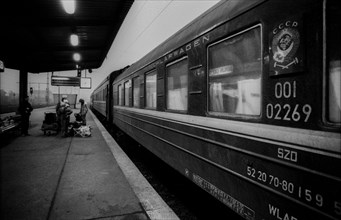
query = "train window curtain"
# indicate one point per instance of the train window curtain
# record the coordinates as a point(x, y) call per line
point(177, 85)
point(235, 73)
point(151, 90)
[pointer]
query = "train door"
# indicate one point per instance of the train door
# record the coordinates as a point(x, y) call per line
point(107, 102)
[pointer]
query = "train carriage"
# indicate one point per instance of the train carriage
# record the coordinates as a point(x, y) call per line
point(102, 96)
point(245, 102)
point(99, 98)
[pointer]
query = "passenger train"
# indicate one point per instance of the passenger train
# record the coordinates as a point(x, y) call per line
point(245, 102)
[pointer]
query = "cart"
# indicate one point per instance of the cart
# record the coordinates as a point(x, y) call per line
point(50, 123)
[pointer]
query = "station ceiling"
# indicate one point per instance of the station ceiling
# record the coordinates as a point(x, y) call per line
point(35, 34)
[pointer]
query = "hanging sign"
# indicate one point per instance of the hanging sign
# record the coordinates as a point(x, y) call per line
point(65, 81)
point(85, 83)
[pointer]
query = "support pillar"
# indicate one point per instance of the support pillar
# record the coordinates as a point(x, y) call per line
point(22, 86)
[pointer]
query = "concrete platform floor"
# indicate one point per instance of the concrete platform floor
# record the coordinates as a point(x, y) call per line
point(50, 177)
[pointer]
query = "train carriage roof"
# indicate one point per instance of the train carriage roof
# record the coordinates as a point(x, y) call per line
point(216, 15)
point(106, 80)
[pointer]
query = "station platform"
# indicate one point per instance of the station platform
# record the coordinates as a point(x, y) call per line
point(51, 177)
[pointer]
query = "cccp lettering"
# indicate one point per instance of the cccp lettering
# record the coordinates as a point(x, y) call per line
point(284, 25)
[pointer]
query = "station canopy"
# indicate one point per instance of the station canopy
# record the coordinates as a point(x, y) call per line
point(35, 34)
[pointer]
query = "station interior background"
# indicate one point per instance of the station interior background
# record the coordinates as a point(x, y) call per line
point(42, 93)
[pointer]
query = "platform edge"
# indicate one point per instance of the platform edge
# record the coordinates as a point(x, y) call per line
point(151, 201)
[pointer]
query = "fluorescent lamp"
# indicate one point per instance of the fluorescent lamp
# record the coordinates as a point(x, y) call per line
point(60, 78)
point(69, 6)
point(76, 56)
point(74, 39)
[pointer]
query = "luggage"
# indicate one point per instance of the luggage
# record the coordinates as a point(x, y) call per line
point(50, 117)
point(50, 123)
point(82, 131)
point(78, 117)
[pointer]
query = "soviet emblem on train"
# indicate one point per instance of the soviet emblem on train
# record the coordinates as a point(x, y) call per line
point(286, 48)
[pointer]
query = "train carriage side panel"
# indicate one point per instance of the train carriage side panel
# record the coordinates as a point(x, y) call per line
point(249, 107)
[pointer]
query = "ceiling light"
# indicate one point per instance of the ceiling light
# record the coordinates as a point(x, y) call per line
point(76, 56)
point(74, 39)
point(69, 6)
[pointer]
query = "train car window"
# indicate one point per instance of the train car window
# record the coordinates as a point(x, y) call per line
point(136, 92)
point(151, 89)
point(177, 85)
point(127, 86)
point(234, 67)
point(120, 95)
point(334, 114)
point(334, 63)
